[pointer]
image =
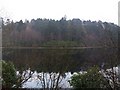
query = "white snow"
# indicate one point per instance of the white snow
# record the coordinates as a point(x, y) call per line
point(34, 82)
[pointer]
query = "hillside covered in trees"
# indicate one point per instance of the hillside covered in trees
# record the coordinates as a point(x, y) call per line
point(101, 37)
point(48, 32)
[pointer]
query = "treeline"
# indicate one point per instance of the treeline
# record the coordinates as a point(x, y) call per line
point(45, 32)
point(48, 32)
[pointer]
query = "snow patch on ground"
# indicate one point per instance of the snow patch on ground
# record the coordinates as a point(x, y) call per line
point(34, 82)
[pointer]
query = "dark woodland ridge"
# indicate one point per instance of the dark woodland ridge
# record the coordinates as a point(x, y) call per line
point(67, 33)
point(43, 43)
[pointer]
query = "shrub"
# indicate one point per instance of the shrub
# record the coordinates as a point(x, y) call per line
point(9, 76)
point(91, 79)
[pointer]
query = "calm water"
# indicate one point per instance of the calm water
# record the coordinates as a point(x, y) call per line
point(61, 59)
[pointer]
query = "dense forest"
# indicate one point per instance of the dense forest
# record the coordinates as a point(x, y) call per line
point(98, 42)
point(48, 32)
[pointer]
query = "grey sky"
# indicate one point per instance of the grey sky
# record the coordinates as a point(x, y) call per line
point(104, 10)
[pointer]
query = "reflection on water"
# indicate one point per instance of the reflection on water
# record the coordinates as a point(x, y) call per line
point(62, 59)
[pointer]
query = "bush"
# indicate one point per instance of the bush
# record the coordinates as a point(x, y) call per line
point(91, 79)
point(9, 76)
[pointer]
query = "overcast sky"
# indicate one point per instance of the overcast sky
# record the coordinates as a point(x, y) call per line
point(104, 10)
